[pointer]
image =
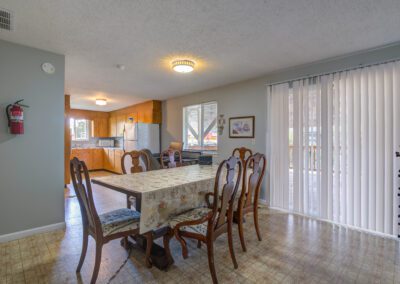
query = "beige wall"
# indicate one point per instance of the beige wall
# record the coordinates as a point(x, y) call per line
point(243, 99)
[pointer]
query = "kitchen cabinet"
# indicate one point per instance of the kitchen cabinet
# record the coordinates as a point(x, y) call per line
point(109, 159)
point(112, 125)
point(100, 158)
point(97, 159)
point(83, 155)
point(120, 125)
point(112, 160)
point(100, 127)
point(118, 153)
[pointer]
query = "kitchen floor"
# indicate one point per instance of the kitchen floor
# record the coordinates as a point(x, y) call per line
point(294, 249)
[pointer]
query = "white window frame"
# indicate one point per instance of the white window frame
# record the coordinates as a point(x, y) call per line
point(202, 132)
point(75, 127)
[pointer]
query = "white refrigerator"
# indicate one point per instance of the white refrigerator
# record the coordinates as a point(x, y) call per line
point(139, 136)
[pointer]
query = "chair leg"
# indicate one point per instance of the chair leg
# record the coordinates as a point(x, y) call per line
point(166, 239)
point(85, 240)
point(241, 235)
point(183, 244)
point(211, 265)
point(149, 244)
point(230, 242)
point(256, 222)
point(199, 244)
point(99, 247)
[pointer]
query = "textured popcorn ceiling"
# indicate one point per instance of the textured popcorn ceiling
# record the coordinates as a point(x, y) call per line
point(230, 40)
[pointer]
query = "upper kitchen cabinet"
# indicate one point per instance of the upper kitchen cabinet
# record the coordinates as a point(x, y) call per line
point(147, 112)
point(112, 125)
point(120, 125)
point(100, 127)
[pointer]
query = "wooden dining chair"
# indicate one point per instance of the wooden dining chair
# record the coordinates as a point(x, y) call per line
point(116, 224)
point(242, 152)
point(176, 145)
point(207, 224)
point(140, 162)
point(253, 174)
point(171, 158)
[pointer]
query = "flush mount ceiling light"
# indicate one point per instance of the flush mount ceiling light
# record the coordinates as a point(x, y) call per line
point(101, 102)
point(183, 66)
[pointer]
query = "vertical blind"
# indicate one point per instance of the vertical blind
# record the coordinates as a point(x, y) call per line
point(331, 145)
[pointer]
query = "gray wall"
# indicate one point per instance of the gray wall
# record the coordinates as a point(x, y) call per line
point(248, 98)
point(31, 165)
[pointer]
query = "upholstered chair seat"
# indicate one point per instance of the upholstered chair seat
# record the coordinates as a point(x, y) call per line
point(119, 220)
point(191, 215)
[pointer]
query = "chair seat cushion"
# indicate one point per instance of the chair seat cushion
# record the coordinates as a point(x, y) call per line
point(120, 220)
point(192, 215)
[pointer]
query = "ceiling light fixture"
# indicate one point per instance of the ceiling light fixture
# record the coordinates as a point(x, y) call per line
point(183, 66)
point(101, 102)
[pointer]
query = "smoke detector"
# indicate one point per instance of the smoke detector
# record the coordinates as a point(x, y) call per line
point(6, 20)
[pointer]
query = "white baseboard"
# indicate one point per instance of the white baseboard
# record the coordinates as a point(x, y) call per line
point(30, 232)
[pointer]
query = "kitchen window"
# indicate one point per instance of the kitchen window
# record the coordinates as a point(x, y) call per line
point(79, 129)
point(200, 127)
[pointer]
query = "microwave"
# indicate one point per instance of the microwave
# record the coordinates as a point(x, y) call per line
point(106, 142)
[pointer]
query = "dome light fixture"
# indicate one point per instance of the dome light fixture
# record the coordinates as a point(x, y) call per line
point(101, 102)
point(183, 66)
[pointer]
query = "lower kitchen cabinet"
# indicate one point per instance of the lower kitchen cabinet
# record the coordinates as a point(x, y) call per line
point(97, 159)
point(100, 159)
point(118, 153)
point(109, 159)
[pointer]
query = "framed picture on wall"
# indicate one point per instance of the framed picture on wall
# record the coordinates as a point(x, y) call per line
point(241, 127)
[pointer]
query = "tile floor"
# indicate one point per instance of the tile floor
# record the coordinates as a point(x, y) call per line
point(294, 249)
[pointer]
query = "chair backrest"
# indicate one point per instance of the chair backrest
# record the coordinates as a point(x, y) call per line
point(171, 162)
point(251, 187)
point(90, 218)
point(176, 145)
point(242, 153)
point(223, 205)
point(138, 160)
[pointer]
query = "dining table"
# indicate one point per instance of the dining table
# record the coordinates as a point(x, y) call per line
point(162, 194)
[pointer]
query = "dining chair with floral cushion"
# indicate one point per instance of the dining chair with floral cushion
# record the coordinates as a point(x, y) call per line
point(134, 162)
point(206, 224)
point(116, 224)
point(253, 174)
point(171, 161)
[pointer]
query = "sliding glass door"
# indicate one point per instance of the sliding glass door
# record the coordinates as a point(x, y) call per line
point(332, 142)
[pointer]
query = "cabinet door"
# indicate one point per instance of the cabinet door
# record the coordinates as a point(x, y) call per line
point(97, 159)
point(112, 124)
point(120, 125)
point(111, 158)
point(117, 161)
point(106, 158)
point(102, 127)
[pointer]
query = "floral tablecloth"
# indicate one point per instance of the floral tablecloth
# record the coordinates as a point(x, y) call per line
point(165, 193)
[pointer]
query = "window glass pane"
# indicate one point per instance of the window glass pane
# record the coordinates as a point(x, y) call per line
point(192, 119)
point(200, 127)
point(80, 129)
point(210, 134)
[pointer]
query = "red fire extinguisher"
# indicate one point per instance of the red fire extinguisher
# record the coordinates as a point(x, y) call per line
point(15, 115)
